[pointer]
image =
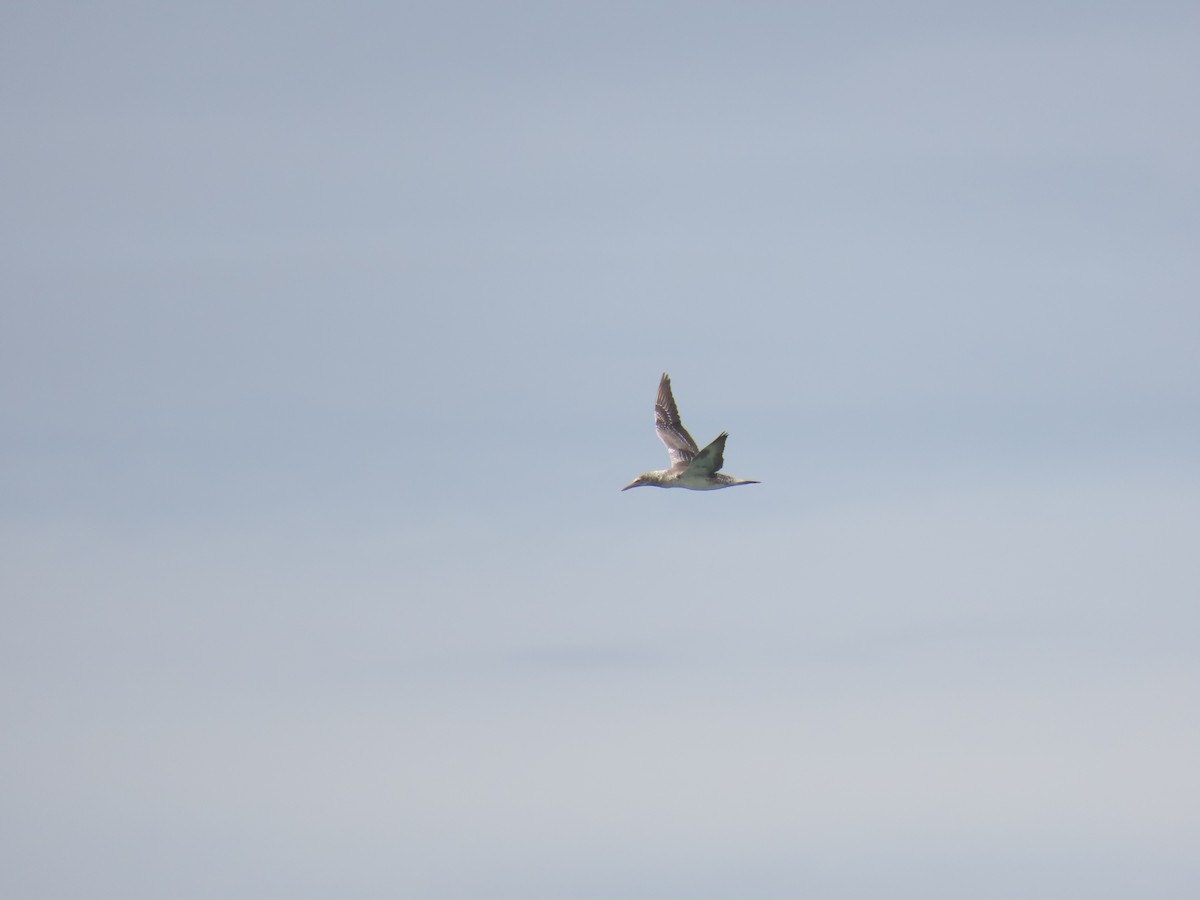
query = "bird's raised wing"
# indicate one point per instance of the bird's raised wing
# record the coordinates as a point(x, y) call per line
point(711, 458)
point(680, 446)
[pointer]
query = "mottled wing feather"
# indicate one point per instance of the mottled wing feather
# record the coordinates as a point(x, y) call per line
point(680, 446)
point(711, 458)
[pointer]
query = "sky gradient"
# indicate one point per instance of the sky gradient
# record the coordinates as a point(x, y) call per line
point(330, 335)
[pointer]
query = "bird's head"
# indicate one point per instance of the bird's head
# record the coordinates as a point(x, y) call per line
point(646, 479)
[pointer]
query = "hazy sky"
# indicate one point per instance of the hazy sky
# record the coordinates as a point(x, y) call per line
point(331, 331)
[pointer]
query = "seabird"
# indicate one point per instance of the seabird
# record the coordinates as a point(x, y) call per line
point(691, 468)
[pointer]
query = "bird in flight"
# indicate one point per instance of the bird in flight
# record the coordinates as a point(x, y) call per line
point(691, 467)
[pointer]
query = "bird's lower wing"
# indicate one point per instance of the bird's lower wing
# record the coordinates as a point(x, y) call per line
point(711, 458)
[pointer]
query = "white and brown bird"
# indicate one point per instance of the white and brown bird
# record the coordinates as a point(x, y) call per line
point(691, 467)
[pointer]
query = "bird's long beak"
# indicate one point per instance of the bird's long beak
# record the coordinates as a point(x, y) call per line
point(631, 484)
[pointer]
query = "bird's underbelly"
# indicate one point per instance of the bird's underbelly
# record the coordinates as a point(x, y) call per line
point(697, 483)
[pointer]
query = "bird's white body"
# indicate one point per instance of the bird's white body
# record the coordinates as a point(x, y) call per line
point(703, 483)
point(665, 478)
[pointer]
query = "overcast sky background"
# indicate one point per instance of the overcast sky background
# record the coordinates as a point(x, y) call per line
point(331, 331)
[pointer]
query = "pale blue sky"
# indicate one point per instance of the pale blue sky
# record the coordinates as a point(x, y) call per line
point(330, 334)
